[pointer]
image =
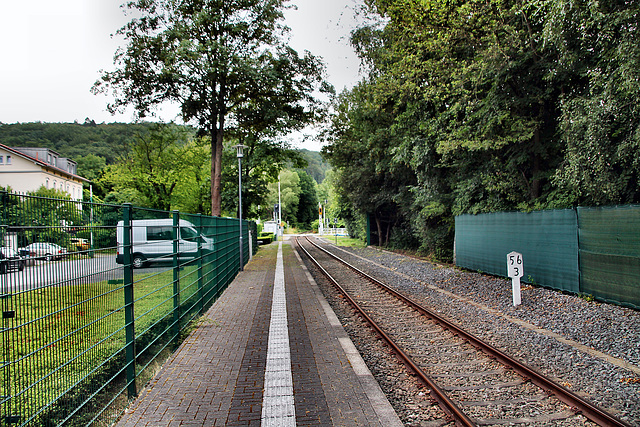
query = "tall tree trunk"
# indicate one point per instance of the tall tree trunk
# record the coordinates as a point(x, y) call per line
point(216, 149)
point(388, 236)
point(535, 182)
point(380, 234)
point(216, 172)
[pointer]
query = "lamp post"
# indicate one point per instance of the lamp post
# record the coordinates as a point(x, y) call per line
point(240, 154)
point(279, 210)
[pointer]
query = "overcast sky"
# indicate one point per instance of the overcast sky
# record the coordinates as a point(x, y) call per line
point(53, 51)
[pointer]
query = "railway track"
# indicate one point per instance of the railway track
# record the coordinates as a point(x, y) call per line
point(473, 382)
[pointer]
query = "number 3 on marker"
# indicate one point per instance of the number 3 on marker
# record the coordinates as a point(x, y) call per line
point(514, 264)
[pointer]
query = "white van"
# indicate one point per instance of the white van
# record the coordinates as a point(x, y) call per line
point(153, 241)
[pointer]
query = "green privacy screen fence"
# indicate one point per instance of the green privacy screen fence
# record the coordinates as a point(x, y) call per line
point(593, 251)
point(82, 329)
point(610, 253)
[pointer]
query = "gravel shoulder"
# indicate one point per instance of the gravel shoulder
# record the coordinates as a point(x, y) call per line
point(589, 347)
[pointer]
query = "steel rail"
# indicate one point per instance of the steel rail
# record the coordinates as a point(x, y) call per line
point(575, 402)
point(449, 406)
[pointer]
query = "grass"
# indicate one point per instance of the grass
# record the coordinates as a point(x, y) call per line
point(69, 340)
point(347, 241)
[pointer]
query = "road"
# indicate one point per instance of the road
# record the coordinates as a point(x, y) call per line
point(70, 271)
point(65, 272)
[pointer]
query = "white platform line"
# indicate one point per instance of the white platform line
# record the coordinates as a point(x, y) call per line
point(278, 407)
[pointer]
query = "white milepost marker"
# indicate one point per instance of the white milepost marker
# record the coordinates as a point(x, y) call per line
point(515, 271)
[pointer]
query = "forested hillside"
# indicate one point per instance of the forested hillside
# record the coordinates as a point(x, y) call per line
point(73, 140)
point(108, 141)
point(317, 167)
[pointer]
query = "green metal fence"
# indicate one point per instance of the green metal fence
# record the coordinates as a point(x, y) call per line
point(593, 251)
point(81, 333)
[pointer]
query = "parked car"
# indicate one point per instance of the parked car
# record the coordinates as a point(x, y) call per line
point(153, 241)
point(44, 250)
point(10, 260)
point(78, 244)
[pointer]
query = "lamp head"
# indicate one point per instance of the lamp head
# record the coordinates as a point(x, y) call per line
point(240, 149)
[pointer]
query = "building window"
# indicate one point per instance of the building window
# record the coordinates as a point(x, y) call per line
point(8, 160)
point(1, 160)
point(47, 182)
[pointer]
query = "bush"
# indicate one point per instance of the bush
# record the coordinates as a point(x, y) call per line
point(265, 238)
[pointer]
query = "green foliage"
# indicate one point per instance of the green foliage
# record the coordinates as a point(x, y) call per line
point(308, 202)
point(349, 242)
point(154, 166)
point(105, 141)
point(481, 106)
point(599, 58)
point(265, 238)
point(316, 167)
point(299, 198)
point(224, 62)
point(261, 165)
point(289, 195)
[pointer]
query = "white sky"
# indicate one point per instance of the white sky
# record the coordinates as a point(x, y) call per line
point(53, 50)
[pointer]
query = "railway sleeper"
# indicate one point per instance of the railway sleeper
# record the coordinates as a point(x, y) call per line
point(563, 415)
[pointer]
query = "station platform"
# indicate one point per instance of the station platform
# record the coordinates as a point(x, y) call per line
point(270, 352)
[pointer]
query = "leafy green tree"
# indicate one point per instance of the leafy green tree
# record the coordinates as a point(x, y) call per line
point(193, 192)
point(154, 166)
point(289, 195)
point(598, 68)
point(477, 106)
point(48, 215)
point(308, 202)
point(360, 149)
point(261, 165)
point(216, 58)
point(91, 166)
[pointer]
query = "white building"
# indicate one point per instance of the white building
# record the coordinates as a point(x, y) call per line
point(27, 169)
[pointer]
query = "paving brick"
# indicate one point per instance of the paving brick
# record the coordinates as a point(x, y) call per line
point(217, 376)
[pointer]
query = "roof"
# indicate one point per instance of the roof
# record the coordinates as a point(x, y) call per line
point(42, 164)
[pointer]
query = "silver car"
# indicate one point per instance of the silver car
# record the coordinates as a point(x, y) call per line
point(10, 260)
point(47, 251)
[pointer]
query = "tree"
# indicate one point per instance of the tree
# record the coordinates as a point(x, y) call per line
point(308, 202)
point(214, 58)
point(193, 192)
point(47, 215)
point(598, 69)
point(289, 195)
point(154, 166)
point(261, 165)
point(360, 148)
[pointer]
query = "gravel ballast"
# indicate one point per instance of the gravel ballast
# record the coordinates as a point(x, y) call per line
point(589, 347)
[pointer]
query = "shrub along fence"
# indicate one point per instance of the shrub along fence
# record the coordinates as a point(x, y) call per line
point(80, 332)
point(594, 251)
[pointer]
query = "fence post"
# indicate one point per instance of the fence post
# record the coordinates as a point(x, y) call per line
point(217, 255)
point(3, 219)
point(200, 278)
point(6, 409)
point(176, 273)
point(129, 315)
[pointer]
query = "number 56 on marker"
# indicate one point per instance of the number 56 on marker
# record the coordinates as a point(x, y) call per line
point(514, 265)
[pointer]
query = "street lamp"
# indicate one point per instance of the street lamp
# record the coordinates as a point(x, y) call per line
point(240, 154)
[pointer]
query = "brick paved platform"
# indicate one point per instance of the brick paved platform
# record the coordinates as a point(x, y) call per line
point(269, 352)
